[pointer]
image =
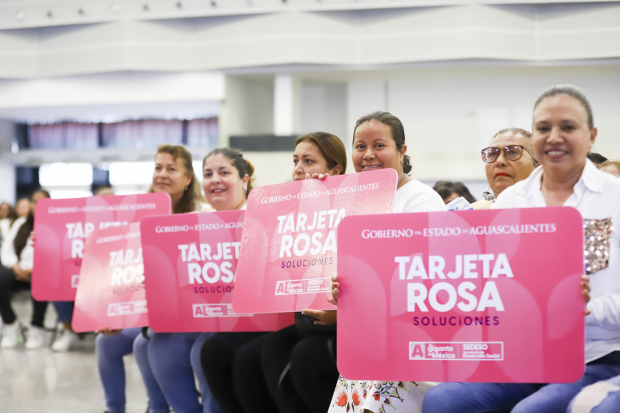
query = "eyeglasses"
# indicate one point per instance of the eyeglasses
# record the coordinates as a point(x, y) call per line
point(511, 152)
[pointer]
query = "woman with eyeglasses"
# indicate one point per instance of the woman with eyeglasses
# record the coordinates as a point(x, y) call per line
point(563, 135)
point(508, 160)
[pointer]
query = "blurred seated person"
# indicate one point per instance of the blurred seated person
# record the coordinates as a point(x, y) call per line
point(15, 273)
point(508, 160)
point(449, 191)
point(611, 167)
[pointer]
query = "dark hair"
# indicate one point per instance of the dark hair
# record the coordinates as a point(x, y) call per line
point(12, 214)
point(524, 133)
point(396, 127)
point(573, 92)
point(243, 166)
point(42, 191)
point(331, 148)
point(192, 196)
point(23, 233)
point(447, 188)
point(597, 158)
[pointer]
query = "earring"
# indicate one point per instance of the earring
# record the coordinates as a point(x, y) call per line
point(187, 188)
point(401, 162)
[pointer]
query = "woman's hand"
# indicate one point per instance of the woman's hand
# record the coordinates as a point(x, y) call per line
point(107, 332)
point(335, 290)
point(318, 176)
point(21, 274)
point(323, 317)
point(585, 290)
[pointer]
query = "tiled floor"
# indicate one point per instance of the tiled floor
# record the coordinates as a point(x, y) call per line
point(44, 381)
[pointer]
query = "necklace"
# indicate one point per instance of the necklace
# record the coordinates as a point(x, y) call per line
point(400, 179)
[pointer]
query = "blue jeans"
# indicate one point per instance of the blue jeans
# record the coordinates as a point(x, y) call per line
point(64, 309)
point(170, 357)
point(512, 397)
point(157, 400)
point(110, 351)
point(610, 404)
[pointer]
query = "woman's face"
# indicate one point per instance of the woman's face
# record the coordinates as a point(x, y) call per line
point(561, 135)
point(374, 148)
point(503, 172)
point(308, 159)
point(170, 176)
point(224, 188)
point(22, 208)
point(4, 210)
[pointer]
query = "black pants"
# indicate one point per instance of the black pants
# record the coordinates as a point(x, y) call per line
point(225, 358)
point(8, 284)
point(298, 366)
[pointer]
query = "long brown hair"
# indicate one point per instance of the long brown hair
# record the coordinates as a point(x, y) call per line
point(192, 196)
point(331, 148)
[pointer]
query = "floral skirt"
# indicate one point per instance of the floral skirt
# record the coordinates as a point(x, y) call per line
point(355, 396)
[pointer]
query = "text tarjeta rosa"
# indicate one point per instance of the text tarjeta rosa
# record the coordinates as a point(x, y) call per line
point(303, 243)
point(466, 267)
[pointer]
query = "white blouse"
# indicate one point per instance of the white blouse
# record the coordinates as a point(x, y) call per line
point(596, 196)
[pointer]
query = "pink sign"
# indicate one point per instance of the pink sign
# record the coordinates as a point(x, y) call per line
point(61, 226)
point(190, 262)
point(478, 296)
point(111, 289)
point(288, 249)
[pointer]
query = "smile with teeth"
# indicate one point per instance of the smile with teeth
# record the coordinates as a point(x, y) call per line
point(372, 166)
point(219, 190)
point(555, 152)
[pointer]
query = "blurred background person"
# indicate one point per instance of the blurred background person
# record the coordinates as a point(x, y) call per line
point(16, 272)
point(611, 167)
point(7, 217)
point(449, 191)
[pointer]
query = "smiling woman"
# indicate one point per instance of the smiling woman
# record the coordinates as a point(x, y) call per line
point(227, 179)
point(174, 175)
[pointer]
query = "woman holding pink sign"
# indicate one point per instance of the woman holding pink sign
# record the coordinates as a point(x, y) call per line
point(379, 142)
point(163, 359)
point(232, 361)
point(563, 135)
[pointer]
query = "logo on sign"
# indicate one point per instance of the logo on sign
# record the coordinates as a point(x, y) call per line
point(127, 308)
point(216, 310)
point(486, 350)
point(305, 286)
point(75, 279)
point(417, 351)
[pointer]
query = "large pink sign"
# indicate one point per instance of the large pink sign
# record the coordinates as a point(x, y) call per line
point(111, 289)
point(479, 296)
point(288, 249)
point(190, 262)
point(61, 226)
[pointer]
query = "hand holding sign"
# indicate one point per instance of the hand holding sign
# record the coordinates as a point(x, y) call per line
point(585, 287)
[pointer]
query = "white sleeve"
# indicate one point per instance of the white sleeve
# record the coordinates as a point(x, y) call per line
point(604, 311)
point(424, 203)
point(7, 254)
